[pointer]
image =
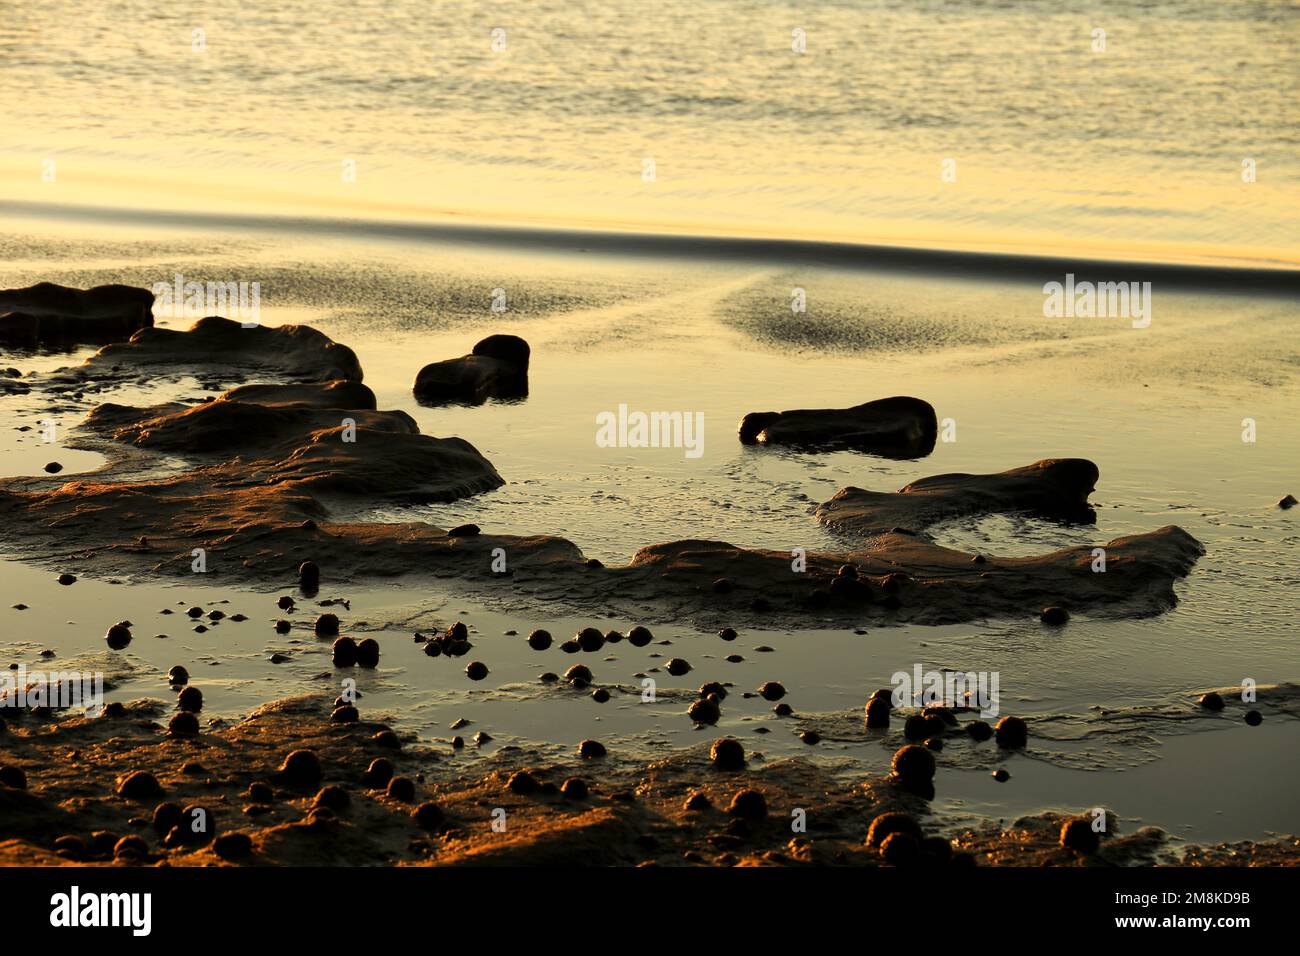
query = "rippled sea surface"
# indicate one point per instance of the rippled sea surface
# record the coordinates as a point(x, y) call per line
point(1127, 142)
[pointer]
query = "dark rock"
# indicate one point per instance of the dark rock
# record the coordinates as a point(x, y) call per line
point(901, 849)
point(591, 748)
point(575, 788)
point(308, 576)
point(1011, 732)
point(913, 764)
point(52, 315)
point(335, 798)
point(344, 652)
point(301, 768)
point(1054, 616)
point(748, 805)
point(522, 782)
point(590, 639)
point(892, 427)
point(697, 802)
point(772, 690)
point(14, 777)
point(1078, 835)
point(71, 847)
point(539, 640)
point(677, 667)
point(233, 846)
point(979, 730)
point(1212, 701)
point(578, 672)
point(497, 368)
point(138, 785)
point(368, 653)
point(327, 625)
point(166, 816)
point(878, 713)
point(402, 788)
point(260, 792)
point(428, 816)
point(704, 712)
point(888, 824)
point(1254, 718)
point(377, 774)
point(66, 579)
point(183, 724)
point(639, 636)
point(727, 753)
point(476, 670)
point(191, 699)
point(118, 636)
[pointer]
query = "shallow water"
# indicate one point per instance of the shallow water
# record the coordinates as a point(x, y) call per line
point(1159, 409)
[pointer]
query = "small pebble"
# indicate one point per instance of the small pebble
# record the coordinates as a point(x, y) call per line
point(1011, 732)
point(1054, 616)
point(1078, 835)
point(748, 805)
point(727, 753)
point(402, 788)
point(118, 636)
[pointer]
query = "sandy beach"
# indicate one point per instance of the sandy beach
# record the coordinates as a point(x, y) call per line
point(1110, 699)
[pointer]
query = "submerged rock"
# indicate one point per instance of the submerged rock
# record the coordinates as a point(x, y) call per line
point(727, 753)
point(1056, 486)
point(897, 427)
point(496, 368)
point(46, 314)
point(1011, 732)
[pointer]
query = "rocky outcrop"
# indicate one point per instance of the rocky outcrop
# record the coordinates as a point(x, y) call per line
point(46, 314)
point(901, 578)
point(897, 427)
point(1058, 487)
point(497, 368)
point(215, 349)
point(339, 807)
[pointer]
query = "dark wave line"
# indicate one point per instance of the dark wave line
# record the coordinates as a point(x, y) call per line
point(844, 255)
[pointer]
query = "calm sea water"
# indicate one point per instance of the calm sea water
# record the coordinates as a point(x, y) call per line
point(552, 111)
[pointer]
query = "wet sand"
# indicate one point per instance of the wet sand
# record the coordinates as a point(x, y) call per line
point(418, 696)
